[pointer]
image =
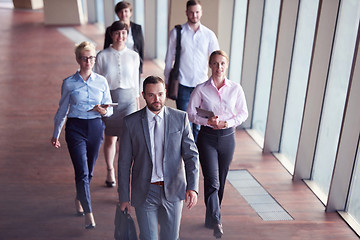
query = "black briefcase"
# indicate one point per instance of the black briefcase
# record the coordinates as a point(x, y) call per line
point(124, 225)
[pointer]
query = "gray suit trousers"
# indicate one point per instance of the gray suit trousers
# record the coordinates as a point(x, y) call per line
point(157, 210)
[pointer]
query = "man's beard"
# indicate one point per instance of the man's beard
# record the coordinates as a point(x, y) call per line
point(153, 108)
point(193, 22)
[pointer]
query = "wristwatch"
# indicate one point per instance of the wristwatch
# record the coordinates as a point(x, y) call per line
point(226, 124)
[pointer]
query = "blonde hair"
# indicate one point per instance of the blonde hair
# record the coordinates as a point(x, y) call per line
point(84, 46)
point(218, 52)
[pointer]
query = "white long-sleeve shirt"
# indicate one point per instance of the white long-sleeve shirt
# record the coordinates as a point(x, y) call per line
point(196, 48)
point(79, 96)
point(120, 68)
point(228, 103)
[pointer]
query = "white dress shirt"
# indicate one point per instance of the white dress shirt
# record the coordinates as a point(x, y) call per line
point(130, 40)
point(228, 103)
point(120, 68)
point(196, 48)
point(161, 125)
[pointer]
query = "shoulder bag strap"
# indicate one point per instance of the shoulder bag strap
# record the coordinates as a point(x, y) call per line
point(178, 46)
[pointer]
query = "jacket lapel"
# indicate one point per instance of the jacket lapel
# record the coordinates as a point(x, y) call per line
point(167, 125)
point(145, 127)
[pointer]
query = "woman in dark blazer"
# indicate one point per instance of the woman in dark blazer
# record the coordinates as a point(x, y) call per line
point(135, 40)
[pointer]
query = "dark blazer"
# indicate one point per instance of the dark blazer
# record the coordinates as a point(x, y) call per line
point(181, 162)
point(138, 41)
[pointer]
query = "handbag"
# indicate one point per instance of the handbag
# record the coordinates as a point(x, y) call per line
point(124, 225)
point(173, 83)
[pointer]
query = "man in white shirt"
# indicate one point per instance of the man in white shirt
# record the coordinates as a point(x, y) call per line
point(197, 43)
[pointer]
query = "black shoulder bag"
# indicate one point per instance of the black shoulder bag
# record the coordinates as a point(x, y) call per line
point(173, 83)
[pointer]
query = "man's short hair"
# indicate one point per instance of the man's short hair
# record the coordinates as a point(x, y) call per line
point(122, 5)
point(152, 80)
point(192, 3)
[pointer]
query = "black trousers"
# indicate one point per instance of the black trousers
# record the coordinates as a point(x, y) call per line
point(83, 138)
point(216, 151)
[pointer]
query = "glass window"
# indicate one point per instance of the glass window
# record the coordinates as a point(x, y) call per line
point(354, 197)
point(237, 40)
point(335, 96)
point(161, 28)
point(139, 13)
point(266, 64)
point(300, 66)
point(116, 18)
point(100, 11)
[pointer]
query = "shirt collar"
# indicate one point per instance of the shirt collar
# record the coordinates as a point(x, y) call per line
point(226, 82)
point(150, 114)
point(119, 52)
point(190, 29)
point(79, 78)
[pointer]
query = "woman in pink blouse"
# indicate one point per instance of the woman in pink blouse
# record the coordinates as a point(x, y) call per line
point(225, 100)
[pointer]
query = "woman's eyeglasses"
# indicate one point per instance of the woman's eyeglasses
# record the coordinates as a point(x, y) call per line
point(85, 59)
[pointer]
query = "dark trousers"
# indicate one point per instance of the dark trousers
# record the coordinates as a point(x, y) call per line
point(182, 103)
point(84, 138)
point(216, 150)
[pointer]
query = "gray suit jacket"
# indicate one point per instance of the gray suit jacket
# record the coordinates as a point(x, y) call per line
point(181, 162)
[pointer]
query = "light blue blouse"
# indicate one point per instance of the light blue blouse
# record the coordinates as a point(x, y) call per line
point(79, 96)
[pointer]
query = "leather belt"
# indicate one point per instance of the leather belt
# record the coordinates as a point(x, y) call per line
point(160, 183)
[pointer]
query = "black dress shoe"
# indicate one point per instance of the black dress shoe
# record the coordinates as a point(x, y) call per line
point(218, 230)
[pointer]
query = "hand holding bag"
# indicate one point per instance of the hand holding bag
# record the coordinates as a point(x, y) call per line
point(173, 83)
point(124, 225)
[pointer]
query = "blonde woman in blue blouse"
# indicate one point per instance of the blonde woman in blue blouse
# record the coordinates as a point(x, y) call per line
point(84, 101)
point(216, 139)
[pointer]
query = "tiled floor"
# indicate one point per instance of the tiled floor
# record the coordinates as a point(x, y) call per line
point(256, 196)
point(37, 181)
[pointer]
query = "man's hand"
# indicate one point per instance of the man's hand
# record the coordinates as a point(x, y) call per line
point(124, 205)
point(191, 196)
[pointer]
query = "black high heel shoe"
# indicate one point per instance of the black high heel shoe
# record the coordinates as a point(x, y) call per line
point(89, 217)
point(79, 209)
point(80, 214)
point(90, 226)
point(110, 184)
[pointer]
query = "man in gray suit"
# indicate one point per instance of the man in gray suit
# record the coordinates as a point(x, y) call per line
point(157, 149)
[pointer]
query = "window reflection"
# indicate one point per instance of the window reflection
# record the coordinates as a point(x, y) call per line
point(305, 31)
point(266, 64)
point(335, 95)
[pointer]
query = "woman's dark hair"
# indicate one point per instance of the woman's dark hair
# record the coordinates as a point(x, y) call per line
point(118, 25)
